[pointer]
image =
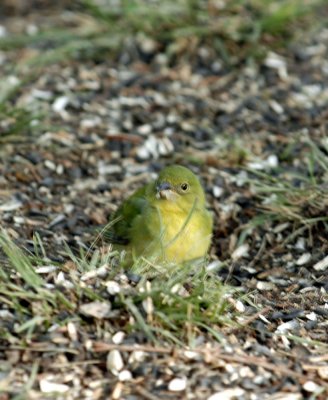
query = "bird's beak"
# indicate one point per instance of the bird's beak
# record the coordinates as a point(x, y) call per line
point(165, 191)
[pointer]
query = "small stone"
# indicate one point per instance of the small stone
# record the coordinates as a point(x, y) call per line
point(275, 61)
point(144, 130)
point(114, 362)
point(108, 169)
point(47, 386)
point(263, 286)
point(45, 269)
point(305, 258)
point(240, 307)
point(72, 331)
point(60, 104)
point(137, 356)
point(311, 316)
point(113, 287)
point(50, 165)
point(177, 384)
point(90, 123)
point(98, 272)
point(272, 161)
point(96, 309)
point(19, 220)
point(11, 205)
point(3, 31)
point(276, 107)
point(288, 326)
point(300, 244)
point(148, 305)
point(227, 394)
point(192, 355)
point(321, 265)
point(311, 387)
point(240, 252)
point(124, 376)
point(165, 146)
point(323, 372)
point(61, 280)
point(214, 265)
point(118, 337)
point(217, 191)
point(41, 94)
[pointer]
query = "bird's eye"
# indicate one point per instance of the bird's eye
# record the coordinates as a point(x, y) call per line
point(184, 186)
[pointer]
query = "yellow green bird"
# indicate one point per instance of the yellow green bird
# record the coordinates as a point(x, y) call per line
point(165, 220)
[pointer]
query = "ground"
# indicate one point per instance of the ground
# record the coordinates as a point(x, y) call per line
point(88, 114)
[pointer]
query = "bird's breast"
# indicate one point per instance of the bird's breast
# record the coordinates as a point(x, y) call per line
point(185, 235)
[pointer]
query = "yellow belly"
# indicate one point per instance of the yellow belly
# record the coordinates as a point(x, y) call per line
point(183, 243)
point(177, 237)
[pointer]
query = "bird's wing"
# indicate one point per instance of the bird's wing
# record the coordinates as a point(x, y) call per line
point(118, 231)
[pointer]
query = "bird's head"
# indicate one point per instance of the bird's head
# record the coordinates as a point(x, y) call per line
point(178, 184)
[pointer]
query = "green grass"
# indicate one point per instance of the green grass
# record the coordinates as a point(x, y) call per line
point(300, 198)
point(237, 30)
point(174, 305)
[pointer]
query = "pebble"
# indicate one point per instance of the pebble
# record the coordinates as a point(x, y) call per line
point(124, 376)
point(177, 384)
point(41, 94)
point(45, 269)
point(3, 31)
point(217, 191)
point(97, 309)
point(137, 356)
point(72, 331)
point(47, 386)
point(321, 265)
point(311, 387)
point(90, 123)
point(108, 169)
point(300, 244)
point(118, 337)
point(323, 372)
point(227, 394)
point(19, 220)
point(101, 272)
point(114, 362)
point(305, 258)
point(62, 281)
point(60, 104)
point(240, 252)
point(275, 61)
point(276, 107)
point(311, 316)
point(113, 287)
point(288, 326)
point(270, 162)
point(265, 286)
point(50, 165)
point(214, 265)
point(145, 129)
point(148, 305)
point(154, 147)
point(11, 205)
point(192, 355)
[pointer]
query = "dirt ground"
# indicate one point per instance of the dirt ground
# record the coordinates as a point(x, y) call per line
point(82, 134)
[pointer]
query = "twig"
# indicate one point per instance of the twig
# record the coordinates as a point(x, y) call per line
point(145, 394)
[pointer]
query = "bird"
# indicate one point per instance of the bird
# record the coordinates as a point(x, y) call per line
point(165, 220)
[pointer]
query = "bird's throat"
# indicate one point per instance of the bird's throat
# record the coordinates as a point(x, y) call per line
point(167, 194)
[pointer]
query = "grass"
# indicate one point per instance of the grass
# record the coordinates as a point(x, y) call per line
point(237, 30)
point(234, 33)
point(300, 198)
point(175, 306)
point(18, 124)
